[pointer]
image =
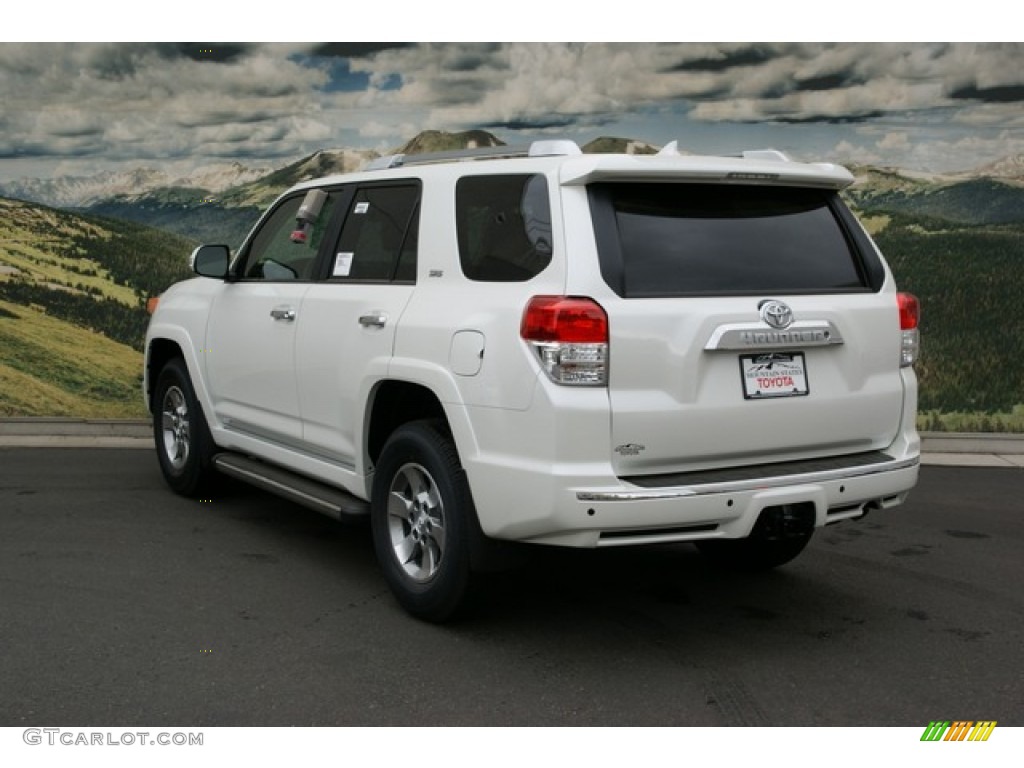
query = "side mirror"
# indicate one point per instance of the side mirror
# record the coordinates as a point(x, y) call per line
point(211, 261)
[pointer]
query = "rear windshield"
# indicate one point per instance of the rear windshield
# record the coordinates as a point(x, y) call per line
point(658, 239)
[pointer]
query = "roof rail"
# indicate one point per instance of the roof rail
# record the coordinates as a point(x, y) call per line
point(554, 148)
point(765, 154)
point(536, 149)
point(672, 150)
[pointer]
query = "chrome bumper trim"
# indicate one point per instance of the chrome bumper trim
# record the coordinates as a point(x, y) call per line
point(681, 492)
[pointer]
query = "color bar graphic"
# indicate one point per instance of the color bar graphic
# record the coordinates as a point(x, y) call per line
point(958, 730)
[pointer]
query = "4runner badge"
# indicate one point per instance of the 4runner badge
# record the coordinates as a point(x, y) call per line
point(630, 449)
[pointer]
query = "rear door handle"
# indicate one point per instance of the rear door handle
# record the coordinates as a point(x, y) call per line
point(373, 320)
point(283, 313)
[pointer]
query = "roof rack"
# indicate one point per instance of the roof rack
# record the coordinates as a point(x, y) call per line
point(672, 150)
point(536, 149)
point(765, 154)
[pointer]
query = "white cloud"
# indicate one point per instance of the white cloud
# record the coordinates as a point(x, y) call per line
point(894, 140)
point(135, 102)
point(1010, 116)
point(848, 153)
point(156, 102)
point(739, 81)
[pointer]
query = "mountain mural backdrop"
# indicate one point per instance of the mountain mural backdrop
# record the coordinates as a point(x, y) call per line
point(79, 256)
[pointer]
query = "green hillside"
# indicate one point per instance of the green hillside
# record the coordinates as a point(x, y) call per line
point(973, 201)
point(959, 247)
point(96, 273)
point(72, 309)
point(972, 320)
point(612, 145)
point(443, 141)
point(50, 367)
point(193, 214)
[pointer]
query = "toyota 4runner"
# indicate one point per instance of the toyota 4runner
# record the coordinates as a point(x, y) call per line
point(543, 346)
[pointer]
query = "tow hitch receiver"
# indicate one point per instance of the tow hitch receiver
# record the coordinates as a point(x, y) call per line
point(785, 521)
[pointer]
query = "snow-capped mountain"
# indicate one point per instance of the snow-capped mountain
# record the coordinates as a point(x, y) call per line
point(82, 191)
point(217, 178)
point(1010, 167)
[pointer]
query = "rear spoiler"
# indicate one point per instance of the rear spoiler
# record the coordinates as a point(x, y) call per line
point(763, 166)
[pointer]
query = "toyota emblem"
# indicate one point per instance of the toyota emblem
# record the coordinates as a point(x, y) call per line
point(776, 313)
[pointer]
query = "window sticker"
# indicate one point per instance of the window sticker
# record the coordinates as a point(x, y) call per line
point(361, 207)
point(342, 264)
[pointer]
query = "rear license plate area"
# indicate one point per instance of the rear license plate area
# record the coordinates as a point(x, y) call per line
point(773, 374)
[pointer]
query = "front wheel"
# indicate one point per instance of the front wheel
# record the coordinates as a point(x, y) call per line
point(420, 516)
point(184, 446)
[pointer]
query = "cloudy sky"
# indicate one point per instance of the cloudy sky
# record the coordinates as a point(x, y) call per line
point(72, 109)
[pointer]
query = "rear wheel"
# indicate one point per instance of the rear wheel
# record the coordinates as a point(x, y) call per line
point(420, 515)
point(184, 446)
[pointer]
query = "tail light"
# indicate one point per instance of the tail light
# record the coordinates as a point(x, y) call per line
point(910, 317)
point(569, 335)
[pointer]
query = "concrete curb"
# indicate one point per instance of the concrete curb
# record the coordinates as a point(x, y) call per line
point(74, 441)
point(71, 427)
point(973, 460)
point(938, 448)
point(971, 442)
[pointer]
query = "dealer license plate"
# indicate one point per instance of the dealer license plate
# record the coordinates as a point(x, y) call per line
point(773, 374)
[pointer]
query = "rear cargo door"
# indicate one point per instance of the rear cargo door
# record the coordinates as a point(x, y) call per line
point(748, 326)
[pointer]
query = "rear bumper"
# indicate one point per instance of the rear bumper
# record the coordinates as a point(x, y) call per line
point(729, 507)
point(707, 507)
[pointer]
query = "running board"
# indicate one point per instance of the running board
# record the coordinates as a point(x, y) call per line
point(321, 498)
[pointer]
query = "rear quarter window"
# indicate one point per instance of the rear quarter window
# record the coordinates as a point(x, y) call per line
point(504, 226)
point(667, 239)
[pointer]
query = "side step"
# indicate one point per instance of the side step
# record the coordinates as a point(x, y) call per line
point(321, 498)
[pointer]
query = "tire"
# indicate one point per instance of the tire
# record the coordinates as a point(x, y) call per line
point(184, 446)
point(752, 555)
point(420, 515)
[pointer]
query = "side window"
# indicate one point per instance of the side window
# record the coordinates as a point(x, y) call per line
point(379, 237)
point(504, 227)
point(285, 248)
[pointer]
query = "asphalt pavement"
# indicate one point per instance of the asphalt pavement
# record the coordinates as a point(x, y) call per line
point(122, 603)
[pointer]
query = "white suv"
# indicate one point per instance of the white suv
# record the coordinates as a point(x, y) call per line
point(550, 347)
